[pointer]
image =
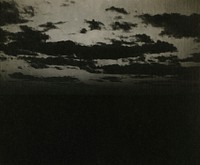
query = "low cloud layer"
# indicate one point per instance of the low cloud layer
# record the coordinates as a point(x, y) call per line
point(21, 76)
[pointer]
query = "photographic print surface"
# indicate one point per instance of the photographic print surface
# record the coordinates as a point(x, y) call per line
point(99, 82)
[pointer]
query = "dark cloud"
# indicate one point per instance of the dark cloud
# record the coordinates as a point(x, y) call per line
point(65, 5)
point(48, 26)
point(72, 2)
point(118, 17)
point(118, 10)
point(4, 36)
point(31, 35)
point(122, 42)
point(58, 68)
point(29, 10)
point(175, 25)
point(31, 41)
point(3, 58)
point(83, 31)
point(155, 69)
point(41, 63)
point(10, 14)
point(123, 37)
point(193, 58)
point(18, 75)
point(105, 51)
point(125, 26)
point(143, 38)
point(21, 76)
point(94, 25)
point(60, 22)
point(169, 59)
point(26, 41)
point(149, 69)
point(112, 79)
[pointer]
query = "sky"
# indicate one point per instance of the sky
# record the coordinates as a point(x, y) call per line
point(110, 22)
point(75, 14)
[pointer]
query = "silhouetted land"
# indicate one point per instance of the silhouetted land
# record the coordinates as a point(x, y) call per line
point(141, 129)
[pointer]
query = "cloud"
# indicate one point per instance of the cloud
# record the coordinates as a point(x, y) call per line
point(143, 38)
point(21, 76)
point(118, 10)
point(105, 51)
point(31, 35)
point(29, 10)
point(41, 63)
point(112, 79)
point(154, 69)
point(118, 17)
point(68, 3)
point(34, 42)
point(9, 13)
point(83, 31)
point(193, 58)
point(175, 25)
point(26, 41)
point(31, 41)
point(65, 5)
point(60, 22)
point(48, 26)
point(122, 42)
point(72, 2)
point(169, 59)
point(94, 25)
point(3, 58)
point(125, 26)
point(5, 36)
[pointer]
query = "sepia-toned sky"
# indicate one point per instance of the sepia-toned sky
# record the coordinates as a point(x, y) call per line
point(90, 22)
point(75, 13)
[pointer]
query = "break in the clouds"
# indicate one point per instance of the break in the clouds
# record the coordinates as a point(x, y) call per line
point(94, 25)
point(125, 26)
point(118, 10)
point(175, 24)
